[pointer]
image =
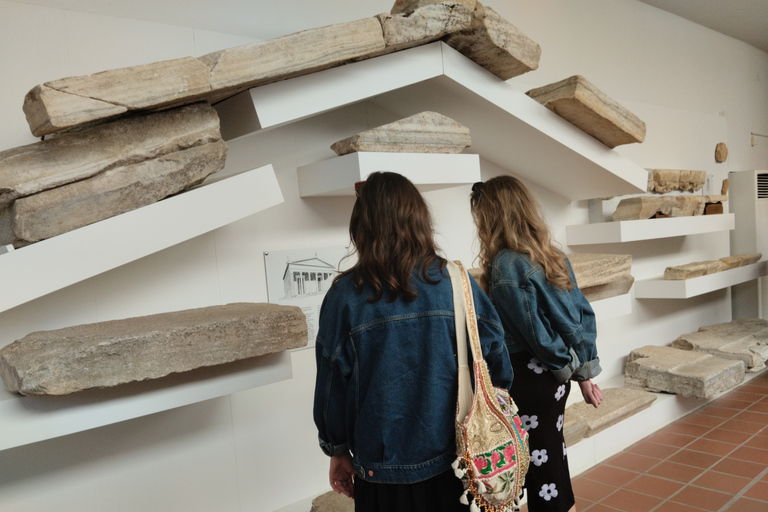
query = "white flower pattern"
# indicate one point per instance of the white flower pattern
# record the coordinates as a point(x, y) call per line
point(537, 366)
point(560, 392)
point(565, 451)
point(529, 422)
point(548, 491)
point(560, 420)
point(539, 457)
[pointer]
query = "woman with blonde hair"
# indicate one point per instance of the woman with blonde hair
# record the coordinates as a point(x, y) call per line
point(549, 328)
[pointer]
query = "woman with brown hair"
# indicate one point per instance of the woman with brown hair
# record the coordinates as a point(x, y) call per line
point(549, 328)
point(386, 388)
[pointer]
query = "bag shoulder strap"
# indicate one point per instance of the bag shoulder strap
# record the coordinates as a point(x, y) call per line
point(471, 318)
point(464, 402)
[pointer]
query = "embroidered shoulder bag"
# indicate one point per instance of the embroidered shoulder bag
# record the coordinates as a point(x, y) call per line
point(491, 443)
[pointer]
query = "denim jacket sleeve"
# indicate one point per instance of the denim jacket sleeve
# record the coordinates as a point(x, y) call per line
point(556, 326)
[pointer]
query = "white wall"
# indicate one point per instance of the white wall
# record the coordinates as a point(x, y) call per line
point(257, 450)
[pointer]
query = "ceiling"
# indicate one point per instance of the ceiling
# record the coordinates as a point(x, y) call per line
point(745, 20)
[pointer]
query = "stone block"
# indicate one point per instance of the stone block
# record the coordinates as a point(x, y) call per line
point(76, 178)
point(496, 45)
point(681, 372)
point(741, 260)
point(426, 132)
point(742, 340)
point(574, 429)
point(236, 69)
point(600, 276)
point(667, 180)
point(618, 405)
point(423, 25)
point(332, 502)
point(107, 354)
point(406, 7)
point(61, 104)
point(703, 268)
point(646, 207)
point(587, 107)
point(721, 152)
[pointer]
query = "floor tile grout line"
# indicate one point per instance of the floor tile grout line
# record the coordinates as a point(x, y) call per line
point(744, 491)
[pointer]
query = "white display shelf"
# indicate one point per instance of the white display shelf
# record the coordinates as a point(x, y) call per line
point(612, 307)
point(428, 171)
point(44, 267)
point(508, 128)
point(686, 288)
point(29, 419)
point(648, 229)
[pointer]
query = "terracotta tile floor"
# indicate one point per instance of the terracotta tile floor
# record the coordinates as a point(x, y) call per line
point(713, 460)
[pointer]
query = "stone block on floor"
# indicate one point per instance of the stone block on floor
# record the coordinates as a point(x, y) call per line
point(745, 339)
point(618, 405)
point(332, 502)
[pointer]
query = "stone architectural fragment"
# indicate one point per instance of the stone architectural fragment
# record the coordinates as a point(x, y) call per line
point(68, 102)
point(332, 501)
point(109, 353)
point(740, 260)
point(587, 107)
point(242, 67)
point(74, 179)
point(667, 180)
point(681, 372)
point(424, 25)
point(703, 268)
point(618, 404)
point(574, 428)
point(426, 132)
point(646, 207)
point(496, 45)
point(744, 339)
point(601, 276)
point(406, 7)
point(721, 152)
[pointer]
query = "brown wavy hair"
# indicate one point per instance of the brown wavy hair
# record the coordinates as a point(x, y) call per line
point(392, 233)
point(508, 216)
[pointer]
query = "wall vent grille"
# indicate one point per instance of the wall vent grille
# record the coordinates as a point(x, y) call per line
point(762, 185)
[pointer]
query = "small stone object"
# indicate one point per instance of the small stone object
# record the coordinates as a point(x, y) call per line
point(646, 207)
point(667, 180)
point(681, 372)
point(106, 354)
point(426, 132)
point(578, 101)
point(721, 152)
point(406, 7)
point(744, 339)
point(332, 501)
point(61, 104)
point(423, 25)
point(496, 45)
point(600, 276)
point(618, 404)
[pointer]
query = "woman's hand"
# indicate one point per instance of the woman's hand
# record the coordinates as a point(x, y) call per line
point(592, 393)
point(340, 475)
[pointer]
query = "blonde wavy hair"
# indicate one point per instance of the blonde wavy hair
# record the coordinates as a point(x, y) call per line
point(507, 216)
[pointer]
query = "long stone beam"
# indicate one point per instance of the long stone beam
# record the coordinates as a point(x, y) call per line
point(107, 354)
point(601, 276)
point(703, 268)
point(646, 207)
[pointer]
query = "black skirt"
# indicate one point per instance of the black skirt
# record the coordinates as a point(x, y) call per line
point(440, 493)
point(541, 403)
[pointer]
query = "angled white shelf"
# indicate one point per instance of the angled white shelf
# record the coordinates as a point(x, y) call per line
point(29, 419)
point(612, 307)
point(508, 128)
point(686, 288)
point(647, 229)
point(44, 267)
point(428, 171)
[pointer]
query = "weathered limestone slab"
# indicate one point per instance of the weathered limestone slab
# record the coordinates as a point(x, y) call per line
point(601, 276)
point(743, 340)
point(682, 372)
point(106, 354)
point(242, 67)
point(78, 178)
point(423, 25)
point(618, 404)
point(646, 207)
point(332, 502)
point(406, 7)
point(574, 429)
point(741, 260)
point(587, 107)
point(426, 132)
point(68, 102)
point(667, 180)
point(703, 268)
point(496, 45)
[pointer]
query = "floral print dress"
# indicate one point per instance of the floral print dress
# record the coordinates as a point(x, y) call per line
point(541, 399)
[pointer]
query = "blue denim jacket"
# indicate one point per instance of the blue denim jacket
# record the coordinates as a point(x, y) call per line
point(387, 377)
point(558, 327)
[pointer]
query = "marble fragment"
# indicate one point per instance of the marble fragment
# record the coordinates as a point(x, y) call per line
point(721, 152)
point(681, 372)
point(332, 501)
point(425, 132)
point(406, 7)
point(423, 25)
point(585, 106)
point(646, 207)
point(601, 276)
point(496, 45)
point(704, 268)
point(667, 180)
point(106, 354)
point(744, 339)
point(618, 404)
